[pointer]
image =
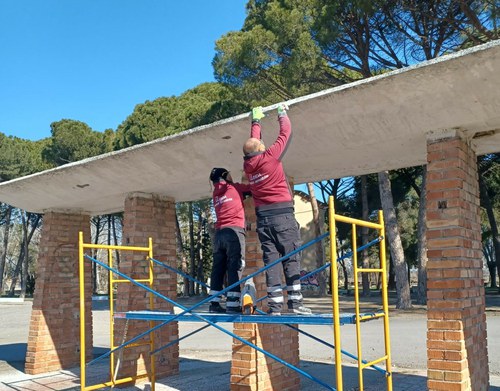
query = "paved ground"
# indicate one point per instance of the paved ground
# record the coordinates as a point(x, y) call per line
point(205, 358)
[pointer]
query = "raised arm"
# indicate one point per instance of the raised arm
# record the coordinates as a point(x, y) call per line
point(257, 115)
point(280, 146)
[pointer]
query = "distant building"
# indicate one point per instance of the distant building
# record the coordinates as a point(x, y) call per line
point(304, 216)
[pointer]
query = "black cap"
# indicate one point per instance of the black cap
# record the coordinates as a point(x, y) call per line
point(217, 173)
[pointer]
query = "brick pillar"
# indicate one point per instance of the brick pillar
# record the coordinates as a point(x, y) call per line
point(54, 335)
point(457, 354)
point(252, 370)
point(146, 216)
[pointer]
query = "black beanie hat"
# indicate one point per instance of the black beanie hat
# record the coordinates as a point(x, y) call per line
point(218, 173)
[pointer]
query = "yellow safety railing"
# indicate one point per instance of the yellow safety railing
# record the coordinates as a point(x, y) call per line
point(114, 381)
point(382, 269)
point(333, 220)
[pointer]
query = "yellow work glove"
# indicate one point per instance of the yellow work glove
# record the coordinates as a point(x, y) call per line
point(257, 114)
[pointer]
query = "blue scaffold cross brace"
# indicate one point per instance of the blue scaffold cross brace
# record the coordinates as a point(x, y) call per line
point(346, 255)
point(185, 310)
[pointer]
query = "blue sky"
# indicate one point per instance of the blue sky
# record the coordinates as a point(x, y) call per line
point(94, 60)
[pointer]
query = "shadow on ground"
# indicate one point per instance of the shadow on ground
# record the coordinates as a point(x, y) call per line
point(13, 355)
point(215, 376)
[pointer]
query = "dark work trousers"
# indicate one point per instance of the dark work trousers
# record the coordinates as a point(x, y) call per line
point(229, 256)
point(279, 235)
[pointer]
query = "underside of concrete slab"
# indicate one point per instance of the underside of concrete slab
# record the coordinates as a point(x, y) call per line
point(376, 124)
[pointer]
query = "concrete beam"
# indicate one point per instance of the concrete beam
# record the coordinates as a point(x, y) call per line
point(364, 127)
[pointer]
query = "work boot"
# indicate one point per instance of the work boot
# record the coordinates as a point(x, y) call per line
point(233, 310)
point(216, 308)
point(301, 310)
point(233, 305)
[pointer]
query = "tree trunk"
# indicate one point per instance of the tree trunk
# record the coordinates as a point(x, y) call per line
point(391, 282)
point(97, 223)
point(22, 250)
point(180, 256)
point(346, 276)
point(395, 245)
point(491, 219)
point(320, 254)
point(24, 268)
point(422, 242)
point(379, 282)
point(365, 261)
point(3, 255)
point(115, 240)
point(493, 275)
point(200, 274)
point(192, 263)
point(476, 22)
point(17, 270)
point(199, 255)
point(340, 253)
point(102, 273)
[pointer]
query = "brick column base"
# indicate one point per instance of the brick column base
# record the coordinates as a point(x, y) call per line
point(148, 216)
point(252, 370)
point(457, 354)
point(54, 336)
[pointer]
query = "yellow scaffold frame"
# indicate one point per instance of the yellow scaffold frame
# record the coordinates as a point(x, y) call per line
point(333, 219)
point(113, 371)
point(359, 317)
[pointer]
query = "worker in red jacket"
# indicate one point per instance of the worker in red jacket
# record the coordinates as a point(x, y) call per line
point(229, 244)
point(278, 231)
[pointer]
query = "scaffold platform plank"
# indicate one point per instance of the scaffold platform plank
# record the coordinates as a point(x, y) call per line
point(313, 319)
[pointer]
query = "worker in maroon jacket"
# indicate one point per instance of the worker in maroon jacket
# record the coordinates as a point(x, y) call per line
point(229, 245)
point(277, 228)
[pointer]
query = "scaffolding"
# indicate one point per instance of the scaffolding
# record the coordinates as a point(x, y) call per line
point(114, 361)
point(188, 315)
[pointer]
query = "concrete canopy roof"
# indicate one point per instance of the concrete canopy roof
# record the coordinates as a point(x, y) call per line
point(376, 124)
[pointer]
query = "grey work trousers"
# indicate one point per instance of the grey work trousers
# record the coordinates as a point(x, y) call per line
point(279, 235)
point(229, 257)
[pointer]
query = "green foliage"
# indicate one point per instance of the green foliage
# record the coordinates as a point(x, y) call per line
point(72, 141)
point(108, 139)
point(374, 203)
point(149, 121)
point(201, 105)
point(19, 157)
point(344, 34)
point(209, 102)
point(276, 55)
point(289, 48)
point(483, 22)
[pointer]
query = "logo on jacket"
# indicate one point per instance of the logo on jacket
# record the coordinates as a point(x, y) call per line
point(256, 178)
point(221, 200)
